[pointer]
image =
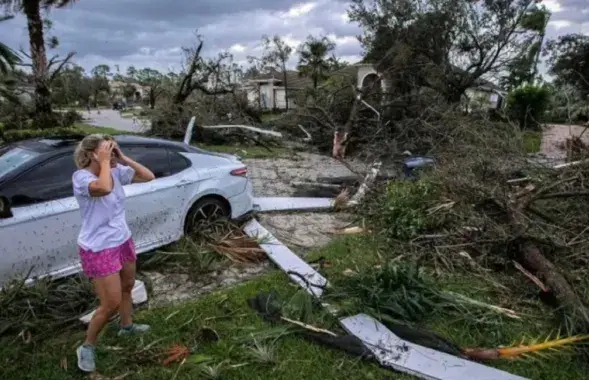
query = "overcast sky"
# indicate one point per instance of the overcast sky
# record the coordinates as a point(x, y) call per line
point(149, 33)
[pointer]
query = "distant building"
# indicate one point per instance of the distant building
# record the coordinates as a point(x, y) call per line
point(267, 91)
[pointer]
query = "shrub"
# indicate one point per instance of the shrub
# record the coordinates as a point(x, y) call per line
point(527, 105)
point(401, 211)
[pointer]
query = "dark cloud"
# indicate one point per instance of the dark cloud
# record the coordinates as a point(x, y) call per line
point(150, 33)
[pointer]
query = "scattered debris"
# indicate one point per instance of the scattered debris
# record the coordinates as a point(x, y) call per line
point(407, 357)
point(351, 231)
point(265, 204)
point(297, 269)
point(239, 248)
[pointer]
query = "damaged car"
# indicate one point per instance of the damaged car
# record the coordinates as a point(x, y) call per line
point(39, 216)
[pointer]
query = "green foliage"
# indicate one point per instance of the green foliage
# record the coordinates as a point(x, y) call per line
point(568, 61)
point(528, 104)
point(397, 291)
point(411, 41)
point(313, 58)
point(532, 141)
point(402, 209)
point(24, 134)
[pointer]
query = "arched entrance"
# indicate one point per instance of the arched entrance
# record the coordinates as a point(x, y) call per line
point(371, 85)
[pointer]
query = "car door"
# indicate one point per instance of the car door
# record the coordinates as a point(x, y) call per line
point(41, 235)
point(155, 210)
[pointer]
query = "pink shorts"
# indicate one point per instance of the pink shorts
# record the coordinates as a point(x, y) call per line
point(108, 261)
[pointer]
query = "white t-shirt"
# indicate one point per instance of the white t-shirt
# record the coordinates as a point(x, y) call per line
point(104, 223)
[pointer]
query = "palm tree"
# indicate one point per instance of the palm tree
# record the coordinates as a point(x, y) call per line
point(8, 60)
point(32, 11)
point(313, 58)
point(8, 57)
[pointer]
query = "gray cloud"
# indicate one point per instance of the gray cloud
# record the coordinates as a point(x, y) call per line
point(150, 33)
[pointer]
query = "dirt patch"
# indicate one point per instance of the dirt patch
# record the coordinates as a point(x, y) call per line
point(274, 177)
point(167, 288)
point(302, 232)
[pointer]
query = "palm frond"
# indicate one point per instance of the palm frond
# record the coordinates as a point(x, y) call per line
point(8, 59)
point(527, 350)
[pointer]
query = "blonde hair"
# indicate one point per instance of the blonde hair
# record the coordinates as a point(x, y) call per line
point(86, 147)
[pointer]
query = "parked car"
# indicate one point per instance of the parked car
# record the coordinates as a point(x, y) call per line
point(40, 220)
point(411, 164)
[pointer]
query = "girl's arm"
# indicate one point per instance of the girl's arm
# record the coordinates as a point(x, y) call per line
point(103, 185)
point(142, 174)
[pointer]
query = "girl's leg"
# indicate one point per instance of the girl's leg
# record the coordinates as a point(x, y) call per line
point(127, 283)
point(108, 290)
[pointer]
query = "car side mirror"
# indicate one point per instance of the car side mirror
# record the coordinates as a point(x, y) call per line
point(5, 211)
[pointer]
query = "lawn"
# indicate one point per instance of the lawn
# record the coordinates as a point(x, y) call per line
point(89, 129)
point(243, 353)
point(532, 141)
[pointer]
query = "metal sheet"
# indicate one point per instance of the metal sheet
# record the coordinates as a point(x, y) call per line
point(286, 259)
point(425, 363)
point(291, 203)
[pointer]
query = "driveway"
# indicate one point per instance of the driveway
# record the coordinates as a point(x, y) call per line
point(556, 134)
point(113, 119)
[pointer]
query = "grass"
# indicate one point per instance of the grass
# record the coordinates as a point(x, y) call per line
point(532, 141)
point(90, 129)
point(289, 357)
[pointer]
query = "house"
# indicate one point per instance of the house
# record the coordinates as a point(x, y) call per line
point(485, 94)
point(117, 89)
point(267, 91)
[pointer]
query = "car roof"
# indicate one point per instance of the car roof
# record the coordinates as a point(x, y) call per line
point(66, 143)
point(52, 144)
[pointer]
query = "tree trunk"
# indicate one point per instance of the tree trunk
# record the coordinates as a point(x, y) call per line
point(151, 98)
point(38, 56)
point(285, 84)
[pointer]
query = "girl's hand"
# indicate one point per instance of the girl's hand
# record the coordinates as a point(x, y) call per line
point(104, 152)
point(119, 153)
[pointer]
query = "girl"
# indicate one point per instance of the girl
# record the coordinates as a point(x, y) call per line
point(106, 248)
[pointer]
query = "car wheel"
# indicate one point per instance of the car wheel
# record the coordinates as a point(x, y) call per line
point(204, 211)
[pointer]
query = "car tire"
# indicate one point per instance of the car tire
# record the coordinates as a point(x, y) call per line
point(207, 208)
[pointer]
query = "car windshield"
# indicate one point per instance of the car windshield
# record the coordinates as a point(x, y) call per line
point(12, 158)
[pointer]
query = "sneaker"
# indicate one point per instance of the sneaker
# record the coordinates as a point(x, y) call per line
point(86, 355)
point(133, 328)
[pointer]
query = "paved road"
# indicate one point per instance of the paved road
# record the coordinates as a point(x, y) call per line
point(112, 119)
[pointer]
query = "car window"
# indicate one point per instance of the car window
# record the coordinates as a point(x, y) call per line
point(48, 181)
point(177, 162)
point(154, 158)
point(11, 159)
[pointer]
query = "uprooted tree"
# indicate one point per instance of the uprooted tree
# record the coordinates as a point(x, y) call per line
point(205, 88)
